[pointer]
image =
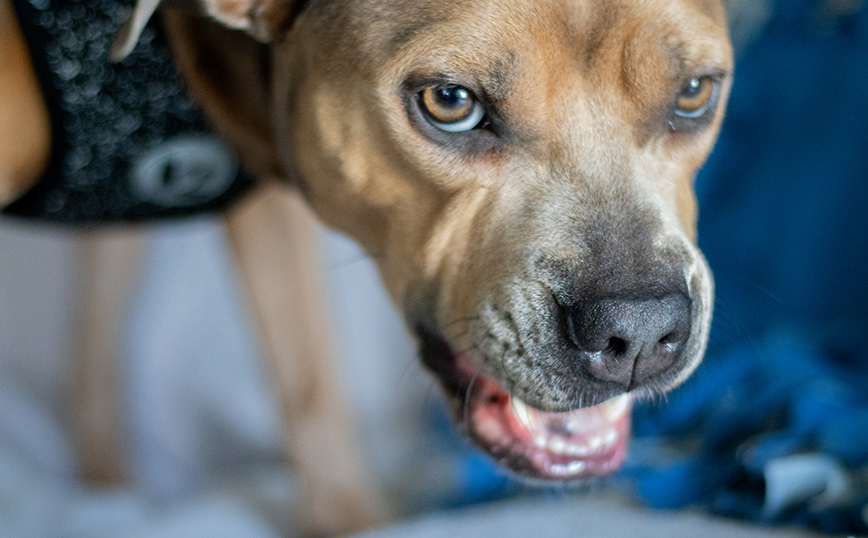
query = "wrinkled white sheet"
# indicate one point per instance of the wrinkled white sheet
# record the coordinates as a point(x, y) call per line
point(583, 517)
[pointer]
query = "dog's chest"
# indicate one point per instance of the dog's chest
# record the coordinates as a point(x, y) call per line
point(128, 143)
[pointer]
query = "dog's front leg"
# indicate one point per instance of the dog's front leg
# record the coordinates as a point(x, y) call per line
point(108, 263)
point(273, 237)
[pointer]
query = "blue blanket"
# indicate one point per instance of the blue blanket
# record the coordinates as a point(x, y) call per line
point(774, 425)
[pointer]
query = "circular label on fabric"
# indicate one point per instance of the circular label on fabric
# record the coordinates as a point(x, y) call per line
point(184, 171)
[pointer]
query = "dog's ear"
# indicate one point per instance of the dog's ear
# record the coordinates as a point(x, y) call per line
point(229, 74)
point(265, 20)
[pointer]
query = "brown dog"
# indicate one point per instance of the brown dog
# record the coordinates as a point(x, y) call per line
point(521, 172)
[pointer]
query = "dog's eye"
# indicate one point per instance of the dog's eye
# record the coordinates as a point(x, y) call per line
point(695, 97)
point(451, 108)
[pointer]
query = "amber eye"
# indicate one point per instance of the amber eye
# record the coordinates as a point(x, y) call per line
point(695, 97)
point(451, 108)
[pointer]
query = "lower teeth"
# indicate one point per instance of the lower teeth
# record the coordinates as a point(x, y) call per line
point(574, 467)
point(542, 427)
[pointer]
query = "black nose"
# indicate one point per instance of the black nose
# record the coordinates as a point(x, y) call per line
point(628, 341)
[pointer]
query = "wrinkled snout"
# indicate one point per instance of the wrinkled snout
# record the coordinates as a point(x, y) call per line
point(609, 303)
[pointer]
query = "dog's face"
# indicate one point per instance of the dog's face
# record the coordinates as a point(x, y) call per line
point(522, 174)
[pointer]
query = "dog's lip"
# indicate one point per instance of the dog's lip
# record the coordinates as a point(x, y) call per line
point(545, 446)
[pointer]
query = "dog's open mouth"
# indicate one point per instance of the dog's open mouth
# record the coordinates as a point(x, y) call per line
point(586, 442)
point(540, 445)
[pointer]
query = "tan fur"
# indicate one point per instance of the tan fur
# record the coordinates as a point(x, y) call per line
point(267, 233)
point(584, 88)
point(263, 19)
point(378, 172)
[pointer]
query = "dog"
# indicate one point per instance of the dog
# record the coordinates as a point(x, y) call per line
point(521, 172)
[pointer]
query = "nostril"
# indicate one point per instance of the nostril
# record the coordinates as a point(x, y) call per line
point(668, 339)
point(668, 344)
point(615, 346)
point(673, 340)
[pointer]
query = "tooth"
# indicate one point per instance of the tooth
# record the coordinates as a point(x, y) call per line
point(610, 437)
point(525, 414)
point(520, 410)
point(540, 441)
point(571, 423)
point(595, 442)
point(557, 445)
point(569, 469)
point(576, 467)
point(577, 450)
point(558, 469)
point(616, 407)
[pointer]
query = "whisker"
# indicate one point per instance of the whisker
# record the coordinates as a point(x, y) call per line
point(457, 336)
point(461, 320)
point(503, 366)
point(467, 394)
point(452, 336)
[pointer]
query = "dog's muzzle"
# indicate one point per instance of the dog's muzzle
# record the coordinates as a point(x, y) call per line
point(537, 445)
point(549, 374)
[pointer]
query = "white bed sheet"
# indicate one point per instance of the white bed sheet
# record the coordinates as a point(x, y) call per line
point(202, 427)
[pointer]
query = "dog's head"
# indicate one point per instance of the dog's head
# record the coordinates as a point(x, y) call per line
point(522, 174)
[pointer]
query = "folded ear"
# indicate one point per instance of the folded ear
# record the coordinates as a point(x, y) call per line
point(229, 75)
point(263, 19)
